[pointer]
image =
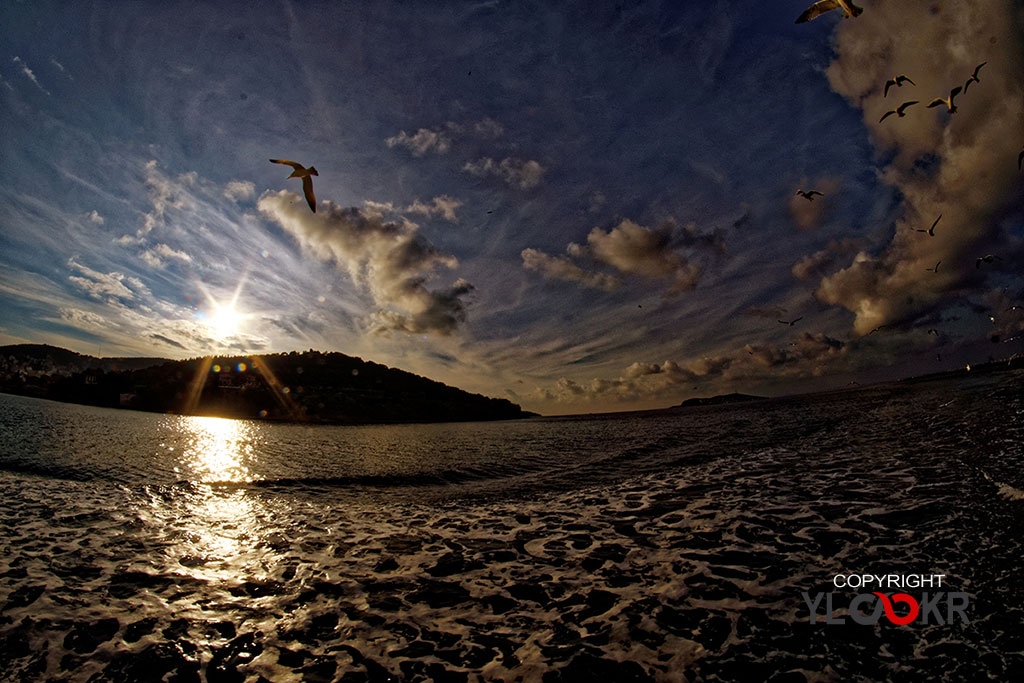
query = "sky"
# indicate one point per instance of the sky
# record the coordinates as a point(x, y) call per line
point(581, 207)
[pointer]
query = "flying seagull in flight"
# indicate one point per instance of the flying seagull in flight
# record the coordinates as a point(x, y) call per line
point(974, 77)
point(935, 269)
point(823, 6)
point(948, 101)
point(988, 258)
point(307, 179)
point(791, 323)
point(900, 111)
point(898, 81)
point(931, 230)
point(809, 194)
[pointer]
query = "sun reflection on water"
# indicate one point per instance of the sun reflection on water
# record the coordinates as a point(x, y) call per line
point(222, 530)
point(219, 449)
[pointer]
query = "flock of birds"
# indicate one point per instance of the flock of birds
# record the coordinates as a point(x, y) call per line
point(950, 101)
point(817, 9)
point(850, 10)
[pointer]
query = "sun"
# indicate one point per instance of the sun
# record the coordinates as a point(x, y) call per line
point(224, 321)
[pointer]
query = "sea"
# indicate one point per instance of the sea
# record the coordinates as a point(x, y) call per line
point(714, 543)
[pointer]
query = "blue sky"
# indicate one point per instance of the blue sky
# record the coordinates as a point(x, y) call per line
point(578, 207)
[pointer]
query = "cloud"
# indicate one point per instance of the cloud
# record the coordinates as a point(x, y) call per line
point(29, 74)
point(94, 217)
point(808, 214)
point(808, 355)
point(164, 193)
point(158, 256)
point(516, 172)
point(111, 285)
point(488, 128)
point(83, 320)
point(647, 252)
point(239, 189)
point(438, 311)
point(562, 268)
point(390, 258)
point(631, 249)
point(817, 263)
point(443, 206)
point(60, 66)
point(423, 141)
point(957, 166)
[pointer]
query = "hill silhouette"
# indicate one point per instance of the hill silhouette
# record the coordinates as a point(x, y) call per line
point(328, 388)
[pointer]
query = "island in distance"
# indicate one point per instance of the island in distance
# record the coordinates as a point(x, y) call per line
point(314, 387)
point(722, 398)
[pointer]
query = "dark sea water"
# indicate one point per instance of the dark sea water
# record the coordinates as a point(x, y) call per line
point(659, 546)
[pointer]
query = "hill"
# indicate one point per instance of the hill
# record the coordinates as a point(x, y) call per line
point(300, 387)
point(716, 400)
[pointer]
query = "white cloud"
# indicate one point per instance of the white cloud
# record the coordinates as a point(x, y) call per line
point(443, 206)
point(423, 141)
point(959, 166)
point(636, 249)
point(99, 285)
point(808, 355)
point(158, 256)
point(29, 74)
point(562, 268)
point(95, 217)
point(390, 258)
point(239, 189)
point(516, 172)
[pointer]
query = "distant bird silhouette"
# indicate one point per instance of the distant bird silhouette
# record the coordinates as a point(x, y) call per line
point(823, 6)
point(791, 322)
point(933, 331)
point(974, 77)
point(948, 101)
point(809, 194)
point(987, 258)
point(900, 111)
point(936, 268)
point(307, 180)
point(931, 230)
point(898, 81)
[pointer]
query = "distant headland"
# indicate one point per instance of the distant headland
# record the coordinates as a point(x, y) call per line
point(716, 400)
point(310, 386)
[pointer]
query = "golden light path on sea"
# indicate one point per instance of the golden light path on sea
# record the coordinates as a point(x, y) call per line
point(224, 526)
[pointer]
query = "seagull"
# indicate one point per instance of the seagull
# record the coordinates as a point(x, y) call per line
point(307, 180)
point(822, 6)
point(988, 258)
point(933, 331)
point(900, 111)
point(898, 81)
point(791, 323)
point(974, 77)
point(931, 230)
point(950, 105)
point(936, 268)
point(809, 194)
